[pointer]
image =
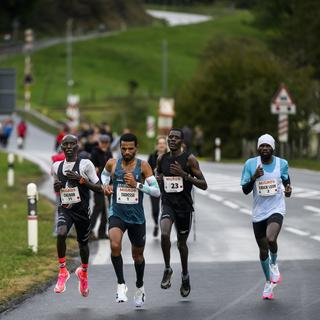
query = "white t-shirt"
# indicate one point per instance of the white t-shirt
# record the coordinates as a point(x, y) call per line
point(86, 167)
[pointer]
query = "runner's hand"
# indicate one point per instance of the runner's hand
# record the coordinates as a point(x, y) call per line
point(57, 185)
point(258, 173)
point(71, 175)
point(177, 170)
point(130, 180)
point(287, 190)
point(107, 189)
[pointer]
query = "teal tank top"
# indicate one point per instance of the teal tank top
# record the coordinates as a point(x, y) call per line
point(127, 202)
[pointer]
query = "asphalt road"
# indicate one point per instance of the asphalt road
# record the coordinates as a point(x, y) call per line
point(226, 275)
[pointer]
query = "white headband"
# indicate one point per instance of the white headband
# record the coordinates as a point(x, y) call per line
point(266, 138)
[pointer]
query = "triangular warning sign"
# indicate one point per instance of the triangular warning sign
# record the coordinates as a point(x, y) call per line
point(282, 102)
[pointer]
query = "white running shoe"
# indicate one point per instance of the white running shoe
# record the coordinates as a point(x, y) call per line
point(139, 297)
point(267, 291)
point(121, 295)
point(275, 275)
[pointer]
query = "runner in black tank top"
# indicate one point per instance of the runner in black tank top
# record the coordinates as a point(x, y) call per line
point(177, 172)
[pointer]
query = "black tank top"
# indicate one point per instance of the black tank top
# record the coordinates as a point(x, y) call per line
point(83, 190)
point(178, 200)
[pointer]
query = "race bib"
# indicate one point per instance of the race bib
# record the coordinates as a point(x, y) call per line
point(70, 195)
point(173, 184)
point(127, 195)
point(266, 188)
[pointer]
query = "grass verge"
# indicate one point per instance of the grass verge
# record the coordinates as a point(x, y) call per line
point(21, 270)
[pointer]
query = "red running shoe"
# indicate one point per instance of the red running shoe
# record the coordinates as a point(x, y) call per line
point(83, 282)
point(63, 277)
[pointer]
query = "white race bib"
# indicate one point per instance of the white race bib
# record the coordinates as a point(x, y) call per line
point(127, 195)
point(173, 184)
point(266, 188)
point(70, 195)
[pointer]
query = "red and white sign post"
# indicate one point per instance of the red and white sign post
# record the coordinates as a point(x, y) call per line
point(282, 104)
point(166, 114)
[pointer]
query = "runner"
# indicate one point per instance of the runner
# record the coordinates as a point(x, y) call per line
point(177, 171)
point(73, 178)
point(152, 160)
point(265, 175)
point(128, 175)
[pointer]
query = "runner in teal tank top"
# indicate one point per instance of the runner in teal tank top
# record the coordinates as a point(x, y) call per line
point(127, 179)
point(127, 202)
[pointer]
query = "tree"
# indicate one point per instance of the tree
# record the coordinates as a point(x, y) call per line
point(230, 94)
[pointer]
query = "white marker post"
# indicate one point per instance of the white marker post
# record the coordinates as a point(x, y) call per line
point(217, 150)
point(10, 176)
point(32, 195)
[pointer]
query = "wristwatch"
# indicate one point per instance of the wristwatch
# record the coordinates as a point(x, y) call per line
point(139, 185)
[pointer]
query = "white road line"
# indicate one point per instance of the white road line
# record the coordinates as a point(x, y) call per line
point(215, 197)
point(230, 204)
point(317, 238)
point(313, 209)
point(246, 211)
point(297, 231)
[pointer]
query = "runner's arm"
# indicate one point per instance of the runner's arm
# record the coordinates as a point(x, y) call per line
point(150, 186)
point(198, 180)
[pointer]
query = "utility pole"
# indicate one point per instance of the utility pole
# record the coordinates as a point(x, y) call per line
point(69, 56)
point(164, 68)
point(27, 68)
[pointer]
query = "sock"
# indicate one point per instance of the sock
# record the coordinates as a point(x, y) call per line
point(266, 268)
point(85, 267)
point(62, 264)
point(273, 257)
point(139, 272)
point(185, 276)
point(118, 268)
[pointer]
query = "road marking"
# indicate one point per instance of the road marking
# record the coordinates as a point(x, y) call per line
point(230, 204)
point(317, 238)
point(215, 197)
point(313, 209)
point(297, 231)
point(246, 211)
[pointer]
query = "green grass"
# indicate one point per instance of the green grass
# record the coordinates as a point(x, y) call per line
point(20, 269)
point(103, 67)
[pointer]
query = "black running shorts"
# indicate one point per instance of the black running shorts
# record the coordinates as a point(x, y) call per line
point(260, 228)
point(81, 220)
point(136, 232)
point(181, 218)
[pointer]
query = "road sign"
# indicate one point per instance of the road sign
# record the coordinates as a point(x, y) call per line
point(282, 102)
point(166, 114)
point(7, 90)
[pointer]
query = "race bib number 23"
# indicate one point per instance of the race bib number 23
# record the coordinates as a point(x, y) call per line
point(173, 184)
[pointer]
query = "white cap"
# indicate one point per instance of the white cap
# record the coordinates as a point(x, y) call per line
point(266, 138)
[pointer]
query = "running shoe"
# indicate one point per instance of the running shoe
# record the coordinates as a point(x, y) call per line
point(267, 291)
point(121, 295)
point(166, 279)
point(275, 275)
point(185, 286)
point(83, 282)
point(139, 297)
point(63, 277)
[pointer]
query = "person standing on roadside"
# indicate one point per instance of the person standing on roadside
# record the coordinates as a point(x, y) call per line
point(99, 157)
point(73, 178)
point(161, 149)
point(267, 176)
